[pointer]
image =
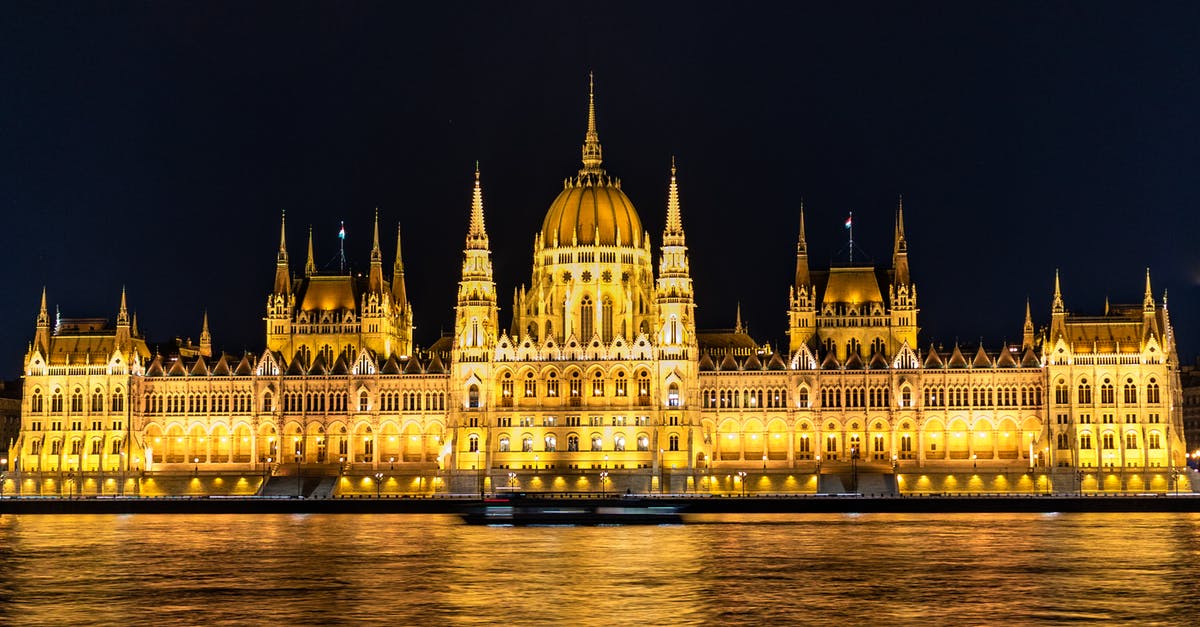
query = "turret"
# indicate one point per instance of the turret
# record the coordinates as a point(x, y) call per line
point(400, 304)
point(283, 280)
point(1058, 311)
point(674, 287)
point(1149, 319)
point(1027, 330)
point(802, 298)
point(205, 338)
point(42, 336)
point(900, 248)
point(123, 324)
point(375, 276)
point(310, 265)
point(476, 328)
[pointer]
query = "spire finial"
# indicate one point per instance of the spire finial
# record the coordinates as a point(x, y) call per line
point(123, 309)
point(1028, 315)
point(204, 325)
point(802, 242)
point(1148, 299)
point(737, 325)
point(901, 243)
point(674, 225)
point(592, 154)
point(477, 233)
point(375, 237)
point(310, 266)
point(283, 233)
point(1057, 305)
point(43, 317)
point(399, 265)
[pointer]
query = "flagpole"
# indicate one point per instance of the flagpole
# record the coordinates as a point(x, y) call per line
point(342, 249)
point(850, 225)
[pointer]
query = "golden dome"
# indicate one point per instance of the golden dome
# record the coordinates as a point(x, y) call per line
point(588, 207)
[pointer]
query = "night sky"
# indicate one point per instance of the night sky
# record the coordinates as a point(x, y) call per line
point(154, 146)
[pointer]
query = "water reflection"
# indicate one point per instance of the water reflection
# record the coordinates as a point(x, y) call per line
point(1020, 568)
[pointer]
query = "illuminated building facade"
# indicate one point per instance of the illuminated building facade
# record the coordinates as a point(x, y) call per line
point(603, 382)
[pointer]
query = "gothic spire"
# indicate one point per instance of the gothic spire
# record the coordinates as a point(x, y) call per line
point(477, 235)
point(1148, 299)
point(592, 153)
point(737, 325)
point(802, 277)
point(310, 266)
point(123, 312)
point(1027, 329)
point(1057, 305)
point(900, 249)
point(283, 281)
point(205, 337)
point(375, 276)
point(399, 292)
point(43, 315)
point(673, 231)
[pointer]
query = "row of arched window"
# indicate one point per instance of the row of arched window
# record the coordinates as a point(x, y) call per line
point(1108, 392)
point(550, 443)
point(115, 401)
point(770, 398)
point(972, 396)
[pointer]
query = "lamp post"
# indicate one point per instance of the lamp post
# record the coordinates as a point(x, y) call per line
point(3, 474)
point(391, 463)
point(378, 484)
point(603, 478)
point(742, 477)
point(512, 480)
point(196, 469)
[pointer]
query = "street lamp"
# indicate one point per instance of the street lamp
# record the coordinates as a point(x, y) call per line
point(391, 463)
point(603, 478)
point(512, 480)
point(196, 470)
point(378, 484)
point(742, 477)
point(535, 464)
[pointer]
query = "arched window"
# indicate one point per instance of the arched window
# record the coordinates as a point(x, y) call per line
point(504, 445)
point(118, 401)
point(587, 314)
point(1061, 394)
point(473, 443)
point(830, 346)
point(1085, 393)
point(363, 403)
point(35, 402)
point(1152, 395)
point(572, 443)
point(267, 398)
point(877, 346)
point(1131, 440)
point(77, 401)
point(643, 443)
point(673, 395)
point(597, 443)
point(853, 347)
point(1106, 393)
point(802, 397)
point(606, 319)
point(1153, 440)
point(1130, 391)
point(551, 443)
point(1064, 441)
point(673, 442)
point(97, 401)
point(527, 444)
point(473, 396)
point(619, 443)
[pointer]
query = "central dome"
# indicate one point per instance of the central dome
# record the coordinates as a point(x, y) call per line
point(591, 211)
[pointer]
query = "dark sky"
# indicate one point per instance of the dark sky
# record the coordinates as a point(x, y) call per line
point(154, 145)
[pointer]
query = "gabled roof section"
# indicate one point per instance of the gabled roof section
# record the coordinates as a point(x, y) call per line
point(728, 363)
point(156, 367)
point(855, 362)
point(296, 368)
point(981, 359)
point(244, 367)
point(830, 362)
point(1029, 359)
point(340, 366)
point(319, 367)
point(177, 369)
point(776, 362)
point(435, 366)
point(956, 359)
point(878, 362)
point(413, 366)
point(199, 369)
point(392, 366)
point(1006, 359)
point(706, 363)
point(222, 367)
point(933, 359)
point(752, 363)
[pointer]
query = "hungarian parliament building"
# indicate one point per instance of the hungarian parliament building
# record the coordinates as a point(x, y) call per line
point(602, 382)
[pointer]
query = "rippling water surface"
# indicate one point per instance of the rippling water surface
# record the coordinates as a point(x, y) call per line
point(403, 570)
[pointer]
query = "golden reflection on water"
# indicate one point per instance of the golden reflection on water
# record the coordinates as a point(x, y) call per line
point(784, 569)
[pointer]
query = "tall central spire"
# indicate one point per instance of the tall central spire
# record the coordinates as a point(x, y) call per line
point(674, 228)
point(476, 234)
point(592, 154)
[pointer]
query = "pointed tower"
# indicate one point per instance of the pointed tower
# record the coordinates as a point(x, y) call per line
point(205, 338)
point(375, 277)
point(1058, 312)
point(476, 327)
point(401, 307)
point(310, 265)
point(802, 309)
point(737, 319)
point(1149, 318)
point(123, 325)
point(41, 339)
point(1027, 330)
point(673, 290)
point(283, 280)
point(902, 294)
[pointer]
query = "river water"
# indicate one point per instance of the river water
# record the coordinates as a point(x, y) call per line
point(731, 570)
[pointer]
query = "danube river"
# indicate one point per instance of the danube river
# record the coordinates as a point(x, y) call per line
point(730, 569)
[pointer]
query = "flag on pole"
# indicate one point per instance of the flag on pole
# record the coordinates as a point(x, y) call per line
point(342, 231)
point(849, 221)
